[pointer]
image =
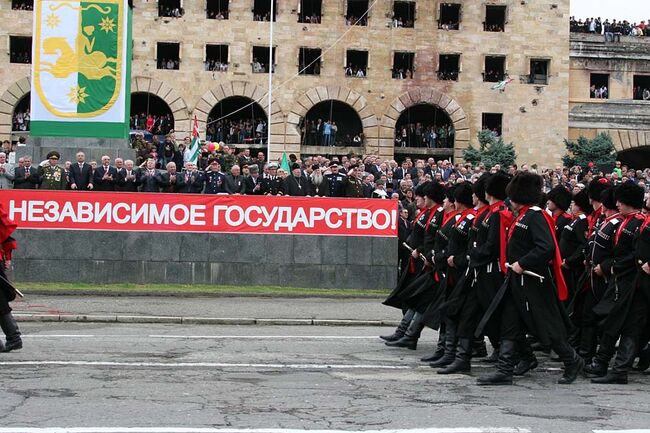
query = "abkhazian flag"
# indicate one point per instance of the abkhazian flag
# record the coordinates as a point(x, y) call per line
point(81, 68)
point(196, 142)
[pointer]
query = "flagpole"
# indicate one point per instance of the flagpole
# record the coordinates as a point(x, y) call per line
point(270, 92)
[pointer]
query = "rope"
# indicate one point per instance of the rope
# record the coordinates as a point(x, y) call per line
point(279, 86)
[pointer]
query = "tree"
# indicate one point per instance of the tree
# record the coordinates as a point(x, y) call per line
point(599, 152)
point(492, 150)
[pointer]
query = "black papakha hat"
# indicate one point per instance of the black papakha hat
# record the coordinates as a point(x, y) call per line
point(607, 198)
point(596, 187)
point(581, 199)
point(463, 194)
point(560, 196)
point(496, 185)
point(630, 194)
point(525, 188)
point(419, 190)
point(435, 192)
point(479, 187)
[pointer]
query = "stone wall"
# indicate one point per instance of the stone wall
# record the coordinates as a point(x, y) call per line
point(535, 117)
point(99, 257)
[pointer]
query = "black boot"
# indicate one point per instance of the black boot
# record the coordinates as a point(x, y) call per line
point(450, 348)
point(401, 328)
point(600, 361)
point(462, 363)
point(624, 359)
point(479, 349)
point(527, 359)
point(573, 363)
point(10, 328)
point(412, 334)
point(588, 340)
point(440, 348)
point(644, 359)
point(505, 366)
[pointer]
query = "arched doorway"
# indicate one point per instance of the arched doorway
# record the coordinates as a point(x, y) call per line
point(345, 127)
point(424, 126)
point(150, 112)
point(237, 120)
point(637, 158)
point(21, 115)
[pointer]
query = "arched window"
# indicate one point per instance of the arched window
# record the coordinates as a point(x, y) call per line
point(331, 123)
point(237, 120)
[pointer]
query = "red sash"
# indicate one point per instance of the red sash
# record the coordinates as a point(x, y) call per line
point(629, 217)
point(556, 262)
point(592, 220)
point(7, 227)
point(463, 215)
point(485, 210)
point(505, 220)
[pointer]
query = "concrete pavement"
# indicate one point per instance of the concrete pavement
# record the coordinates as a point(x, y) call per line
point(157, 378)
point(206, 310)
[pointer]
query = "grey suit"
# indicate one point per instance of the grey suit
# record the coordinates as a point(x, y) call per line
point(7, 177)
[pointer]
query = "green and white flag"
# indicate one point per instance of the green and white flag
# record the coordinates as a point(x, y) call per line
point(81, 68)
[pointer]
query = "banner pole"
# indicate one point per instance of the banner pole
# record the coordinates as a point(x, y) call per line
point(270, 92)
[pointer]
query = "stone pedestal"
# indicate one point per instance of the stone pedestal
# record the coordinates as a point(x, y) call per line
point(94, 148)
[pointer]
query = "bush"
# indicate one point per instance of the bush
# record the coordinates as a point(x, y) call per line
point(492, 150)
point(599, 152)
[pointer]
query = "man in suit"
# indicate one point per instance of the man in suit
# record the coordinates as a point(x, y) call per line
point(235, 181)
point(119, 168)
point(172, 181)
point(401, 172)
point(193, 180)
point(26, 177)
point(127, 178)
point(105, 175)
point(6, 172)
point(253, 182)
point(81, 174)
point(148, 178)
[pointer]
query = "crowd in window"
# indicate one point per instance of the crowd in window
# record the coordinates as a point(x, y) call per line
point(354, 71)
point(215, 66)
point(599, 92)
point(424, 135)
point(316, 132)
point(244, 131)
point(154, 123)
point(217, 15)
point(170, 12)
point(172, 64)
point(22, 5)
point(309, 19)
point(641, 93)
point(20, 121)
point(262, 17)
point(351, 20)
point(401, 74)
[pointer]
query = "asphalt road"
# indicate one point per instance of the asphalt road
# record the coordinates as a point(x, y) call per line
point(237, 377)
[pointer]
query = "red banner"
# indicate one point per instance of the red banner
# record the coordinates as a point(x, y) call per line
point(37, 209)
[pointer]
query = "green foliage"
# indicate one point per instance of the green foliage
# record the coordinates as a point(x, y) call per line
point(600, 152)
point(491, 151)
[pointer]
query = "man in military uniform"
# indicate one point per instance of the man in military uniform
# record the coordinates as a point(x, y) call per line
point(353, 184)
point(336, 181)
point(558, 202)
point(273, 184)
point(527, 302)
point(52, 176)
point(624, 305)
point(215, 180)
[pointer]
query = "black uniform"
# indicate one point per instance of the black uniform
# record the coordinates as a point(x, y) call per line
point(415, 241)
point(215, 182)
point(573, 243)
point(272, 186)
point(336, 184)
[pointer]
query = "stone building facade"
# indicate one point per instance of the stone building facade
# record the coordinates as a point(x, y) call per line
point(534, 110)
point(622, 67)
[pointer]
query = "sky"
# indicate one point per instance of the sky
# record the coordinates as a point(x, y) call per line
point(631, 10)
